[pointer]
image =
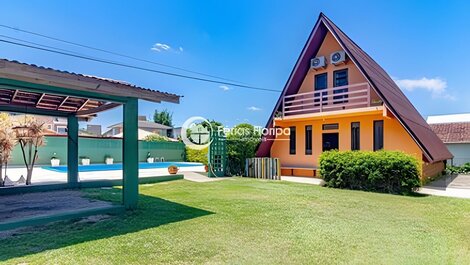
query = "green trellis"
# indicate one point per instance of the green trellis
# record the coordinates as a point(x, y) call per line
point(217, 155)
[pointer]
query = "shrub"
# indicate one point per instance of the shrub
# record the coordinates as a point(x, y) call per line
point(156, 138)
point(242, 142)
point(463, 169)
point(382, 171)
point(193, 155)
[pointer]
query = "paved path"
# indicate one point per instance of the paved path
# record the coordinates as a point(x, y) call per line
point(452, 186)
point(199, 177)
point(305, 180)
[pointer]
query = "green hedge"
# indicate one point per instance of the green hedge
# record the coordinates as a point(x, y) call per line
point(463, 169)
point(382, 171)
point(193, 155)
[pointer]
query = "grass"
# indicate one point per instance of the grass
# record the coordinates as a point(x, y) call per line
point(245, 221)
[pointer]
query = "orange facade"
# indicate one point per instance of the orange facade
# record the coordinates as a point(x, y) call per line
point(395, 137)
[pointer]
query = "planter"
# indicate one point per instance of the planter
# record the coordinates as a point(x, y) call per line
point(55, 162)
point(150, 159)
point(172, 170)
point(85, 161)
point(109, 161)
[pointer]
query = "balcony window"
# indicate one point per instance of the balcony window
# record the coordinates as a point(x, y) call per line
point(321, 83)
point(340, 78)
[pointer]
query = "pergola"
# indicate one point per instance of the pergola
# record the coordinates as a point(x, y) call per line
point(26, 88)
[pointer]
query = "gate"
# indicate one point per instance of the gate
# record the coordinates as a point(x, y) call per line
point(217, 155)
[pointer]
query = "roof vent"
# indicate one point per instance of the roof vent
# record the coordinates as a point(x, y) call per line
point(338, 57)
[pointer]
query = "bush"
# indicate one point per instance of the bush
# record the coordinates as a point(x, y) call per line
point(193, 155)
point(463, 169)
point(156, 138)
point(242, 142)
point(382, 171)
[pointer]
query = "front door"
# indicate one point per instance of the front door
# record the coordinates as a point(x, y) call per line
point(330, 141)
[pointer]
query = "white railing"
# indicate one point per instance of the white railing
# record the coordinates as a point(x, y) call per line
point(330, 99)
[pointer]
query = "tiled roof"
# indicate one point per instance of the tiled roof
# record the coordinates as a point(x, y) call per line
point(456, 132)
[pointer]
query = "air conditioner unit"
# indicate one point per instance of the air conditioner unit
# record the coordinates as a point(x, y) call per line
point(338, 57)
point(318, 62)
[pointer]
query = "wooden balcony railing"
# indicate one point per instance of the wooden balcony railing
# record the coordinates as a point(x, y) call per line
point(330, 99)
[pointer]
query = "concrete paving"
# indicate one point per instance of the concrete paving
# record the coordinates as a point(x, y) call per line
point(451, 186)
point(305, 180)
point(199, 177)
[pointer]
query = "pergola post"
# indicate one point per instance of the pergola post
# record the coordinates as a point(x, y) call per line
point(72, 150)
point(130, 154)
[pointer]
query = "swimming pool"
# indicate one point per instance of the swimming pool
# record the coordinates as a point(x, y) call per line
point(118, 166)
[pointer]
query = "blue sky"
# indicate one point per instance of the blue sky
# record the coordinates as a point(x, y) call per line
point(423, 44)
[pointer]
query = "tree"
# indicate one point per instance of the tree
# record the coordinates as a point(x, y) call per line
point(242, 142)
point(7, 143)
point(30, 136)
point(163, 117)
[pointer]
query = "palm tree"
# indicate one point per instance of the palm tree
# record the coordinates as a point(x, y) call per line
point(7, 143)
point(30, 136)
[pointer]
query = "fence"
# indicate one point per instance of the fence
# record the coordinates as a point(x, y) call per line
point(97, 148)
point(263, 168)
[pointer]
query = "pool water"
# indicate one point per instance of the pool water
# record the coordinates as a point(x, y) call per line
point(118, 166)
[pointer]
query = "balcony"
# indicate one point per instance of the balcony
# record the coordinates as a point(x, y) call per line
point(326, 100)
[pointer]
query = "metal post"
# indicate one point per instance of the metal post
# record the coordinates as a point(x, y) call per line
point(130, 155)
point(72, 150)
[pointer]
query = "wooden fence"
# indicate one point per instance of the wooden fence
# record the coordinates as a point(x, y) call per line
point(263, 168)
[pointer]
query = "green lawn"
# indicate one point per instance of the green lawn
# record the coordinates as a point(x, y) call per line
point(245, 221)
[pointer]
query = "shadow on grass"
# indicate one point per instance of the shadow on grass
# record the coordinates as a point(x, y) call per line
point(152, 212)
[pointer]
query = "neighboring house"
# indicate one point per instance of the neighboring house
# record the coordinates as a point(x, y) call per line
point(176, 133)
point(454, 131)
point(94, 130)
point(338, 97)
point(144, 125)
point(52, 125)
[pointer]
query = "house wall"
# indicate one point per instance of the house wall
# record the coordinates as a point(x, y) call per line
point(395, 138)
point(433, 170)
point(329, 46)
point(461, 152)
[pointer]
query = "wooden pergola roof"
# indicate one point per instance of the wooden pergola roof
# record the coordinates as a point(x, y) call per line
point(90, 95)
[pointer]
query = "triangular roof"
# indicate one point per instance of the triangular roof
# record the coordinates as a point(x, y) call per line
point(392, 96)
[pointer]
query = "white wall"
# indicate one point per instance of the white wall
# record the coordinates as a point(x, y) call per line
point(461, 153)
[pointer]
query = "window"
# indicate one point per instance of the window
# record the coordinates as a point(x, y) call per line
point(330, 126)
point(321, 83)
point(308, 139)
point(61, 130)
point(340, 78)
point(378, 135)
point(355, 136)
point(292, 141)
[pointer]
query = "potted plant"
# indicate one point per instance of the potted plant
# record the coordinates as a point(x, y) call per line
point(172, 169)
point(108, 160)
point(150, 159)
point(85, 160)
point(55, 161)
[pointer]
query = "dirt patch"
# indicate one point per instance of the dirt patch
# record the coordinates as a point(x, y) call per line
point(26, 205)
